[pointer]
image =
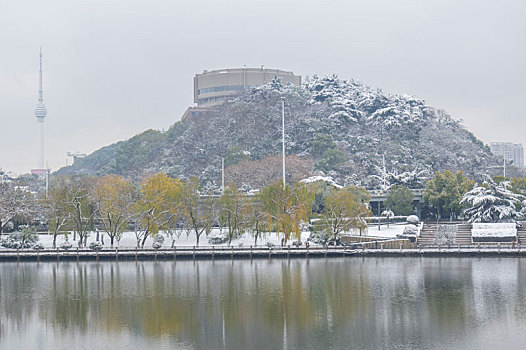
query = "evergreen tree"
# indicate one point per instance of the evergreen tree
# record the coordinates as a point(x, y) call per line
point(492, 202)
point(400, 200)
point(445, 191)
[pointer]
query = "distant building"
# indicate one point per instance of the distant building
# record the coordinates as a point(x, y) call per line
point(212, 88)
point(512, 152)
point(218, 86)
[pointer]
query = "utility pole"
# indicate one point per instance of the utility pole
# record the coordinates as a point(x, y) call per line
point(222, 175)
point(47, 181)
point(504, 158)
point(384, 172)
point(283, 135)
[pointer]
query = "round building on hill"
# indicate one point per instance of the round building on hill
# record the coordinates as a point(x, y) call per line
point(217, 86)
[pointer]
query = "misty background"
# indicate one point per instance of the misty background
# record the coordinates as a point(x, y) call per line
point(113, 69)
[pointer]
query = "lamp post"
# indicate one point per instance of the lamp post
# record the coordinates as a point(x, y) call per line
point(283, 136)
point(222, 175)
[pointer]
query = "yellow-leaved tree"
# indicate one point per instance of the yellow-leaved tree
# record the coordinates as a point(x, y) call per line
point(157, 206)
point(115, 198)
point(286, 207)
point(343, 210)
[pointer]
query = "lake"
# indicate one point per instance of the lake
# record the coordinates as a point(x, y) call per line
point(333, 303)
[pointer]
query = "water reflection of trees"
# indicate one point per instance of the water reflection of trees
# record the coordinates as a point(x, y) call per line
point(308, 304)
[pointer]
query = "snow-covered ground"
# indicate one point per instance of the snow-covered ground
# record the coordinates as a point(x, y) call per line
point(494, 230)
point(385, 232)
point(130, 241)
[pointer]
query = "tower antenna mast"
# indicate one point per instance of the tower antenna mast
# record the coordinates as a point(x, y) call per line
point(40, 114)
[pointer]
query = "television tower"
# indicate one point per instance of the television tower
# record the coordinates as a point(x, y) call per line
point(41, 113)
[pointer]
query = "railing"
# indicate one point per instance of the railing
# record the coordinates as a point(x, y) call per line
point(373, 248)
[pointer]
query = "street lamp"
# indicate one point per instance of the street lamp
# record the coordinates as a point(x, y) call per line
point(283, 135)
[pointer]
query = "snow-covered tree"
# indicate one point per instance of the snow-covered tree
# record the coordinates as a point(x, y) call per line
point(412, 179)
point(492, 202)
point(16, 202)
point(388, 214)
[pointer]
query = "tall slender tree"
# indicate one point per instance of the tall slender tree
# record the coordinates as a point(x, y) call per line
point(234, 209)
point(156, 205)
point(199, 213)
point(342, 212)
point(445, 192)
point(287, 207)
point(115, 198)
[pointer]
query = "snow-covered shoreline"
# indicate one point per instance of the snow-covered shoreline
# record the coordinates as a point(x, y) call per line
point(129, 239)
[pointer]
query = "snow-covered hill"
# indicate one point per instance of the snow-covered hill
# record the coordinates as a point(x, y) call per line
point(365, 125)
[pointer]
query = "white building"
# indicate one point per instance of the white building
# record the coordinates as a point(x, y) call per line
point(512, 152)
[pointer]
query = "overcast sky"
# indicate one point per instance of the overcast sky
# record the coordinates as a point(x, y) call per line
point(116, 68)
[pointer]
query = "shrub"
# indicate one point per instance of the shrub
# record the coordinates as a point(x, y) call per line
point(410, 230)
point(95, 246)
point(413, 219)
point(66, 245)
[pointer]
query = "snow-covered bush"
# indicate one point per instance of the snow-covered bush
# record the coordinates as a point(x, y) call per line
point(95, 246)
point(10, 243)
point(18, 240)
point(413, 219)
point(158, 241)
point(445, 234)
point(492, 202)
point(38, 246)
point(410, 230)
point(66, 245)
point(318, 237)
point(217, 238)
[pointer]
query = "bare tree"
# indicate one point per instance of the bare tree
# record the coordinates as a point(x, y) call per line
point(199, 214)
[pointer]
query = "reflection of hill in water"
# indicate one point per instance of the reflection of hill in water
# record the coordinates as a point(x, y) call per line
point(316, 304)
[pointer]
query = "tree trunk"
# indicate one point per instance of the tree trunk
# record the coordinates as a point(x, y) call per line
point(55, 240)
point(144, 239)
point(111, 240)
